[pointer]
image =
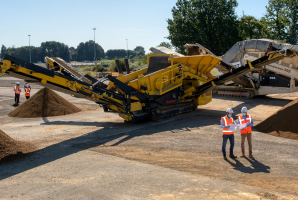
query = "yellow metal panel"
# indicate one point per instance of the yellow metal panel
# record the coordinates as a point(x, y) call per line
point(135, 106)
point(204, 98)
point(113, 107)
point(50, 61)
point(201, 64)
point(5, 66)
point(128, 77)
point(126, 117)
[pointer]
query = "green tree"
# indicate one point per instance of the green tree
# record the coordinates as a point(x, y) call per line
point(3, 50)
point(252, 28)
point(292, 6)
point(119, 53)
point(54, 49)
point(166, 44)
point(212, 23)
point(276, 19)
point(85, 51)
point(139, 51)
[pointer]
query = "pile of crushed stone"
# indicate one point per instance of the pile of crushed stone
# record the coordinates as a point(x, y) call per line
point(12, 150)
point(44, 103)
point(282, 123)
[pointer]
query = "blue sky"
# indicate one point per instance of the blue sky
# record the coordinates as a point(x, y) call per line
point(142, 23)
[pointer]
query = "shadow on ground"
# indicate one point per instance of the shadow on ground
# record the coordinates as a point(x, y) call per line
point(123, 131)
point(109, 131)
point(256, 166)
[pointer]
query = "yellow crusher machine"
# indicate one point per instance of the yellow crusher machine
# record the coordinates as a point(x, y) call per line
point(168, 86)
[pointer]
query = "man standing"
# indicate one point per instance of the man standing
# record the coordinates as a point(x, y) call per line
point(227, 134)
point(17, 92)
point(27, 86)
point(246, 132)
point(27, 93)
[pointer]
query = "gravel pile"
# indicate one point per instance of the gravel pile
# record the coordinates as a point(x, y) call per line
point(11, 150)
point(44, 103)
point(282, 123)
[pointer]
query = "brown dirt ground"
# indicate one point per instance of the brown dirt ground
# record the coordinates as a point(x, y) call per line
point(202, 164)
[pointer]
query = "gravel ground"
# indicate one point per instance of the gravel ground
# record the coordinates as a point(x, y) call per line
point(93, 154)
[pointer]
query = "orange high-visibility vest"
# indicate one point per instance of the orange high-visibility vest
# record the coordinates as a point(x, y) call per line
point(17, 90)
point(27, 92)
point(242, 121)
point(226, 131)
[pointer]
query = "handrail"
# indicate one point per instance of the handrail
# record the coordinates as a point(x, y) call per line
point(173, 77)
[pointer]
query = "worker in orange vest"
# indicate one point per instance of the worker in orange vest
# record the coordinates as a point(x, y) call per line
point(225, 123)
point(246, 132)
point(17, 92)
point(27, 93)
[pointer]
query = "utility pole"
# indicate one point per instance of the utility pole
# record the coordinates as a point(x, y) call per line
point(127, 47)
point(29, 49)
point(94, 43)
point(95, 55)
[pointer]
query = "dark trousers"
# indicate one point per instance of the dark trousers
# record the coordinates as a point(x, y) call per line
point(224, 143)
point(27, 97)
point(17, 98)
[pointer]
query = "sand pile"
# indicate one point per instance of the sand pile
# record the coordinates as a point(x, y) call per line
point(44, 103)
point(283, 123)
point(11, 150)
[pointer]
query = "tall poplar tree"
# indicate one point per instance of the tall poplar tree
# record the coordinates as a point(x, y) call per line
point(276, 19)
point(293, 17)
point(212, 23)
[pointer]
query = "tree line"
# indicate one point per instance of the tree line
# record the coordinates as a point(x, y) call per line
point(215, 25)
point(83, 52)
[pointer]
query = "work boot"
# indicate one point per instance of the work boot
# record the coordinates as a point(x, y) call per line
point(232, 156)
point(250, 155)
point(225, 157)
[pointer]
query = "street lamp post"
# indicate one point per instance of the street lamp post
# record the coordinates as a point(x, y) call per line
point(127, 47)
point(29, 49)
point(94, 44)
point(95, 55)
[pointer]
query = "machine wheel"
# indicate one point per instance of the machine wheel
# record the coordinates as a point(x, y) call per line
point(250, 95)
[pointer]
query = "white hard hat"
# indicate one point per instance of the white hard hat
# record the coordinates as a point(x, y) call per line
point(18, 83)
point(244, 109)
point(229, 110)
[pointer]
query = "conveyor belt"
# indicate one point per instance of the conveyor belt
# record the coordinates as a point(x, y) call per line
point(48, 74)
point(70, 69)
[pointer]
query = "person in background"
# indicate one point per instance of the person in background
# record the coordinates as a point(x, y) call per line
point(227, 134)
point(27, 86)
point(17, 92)
point(246, 132)
point(27, 92)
